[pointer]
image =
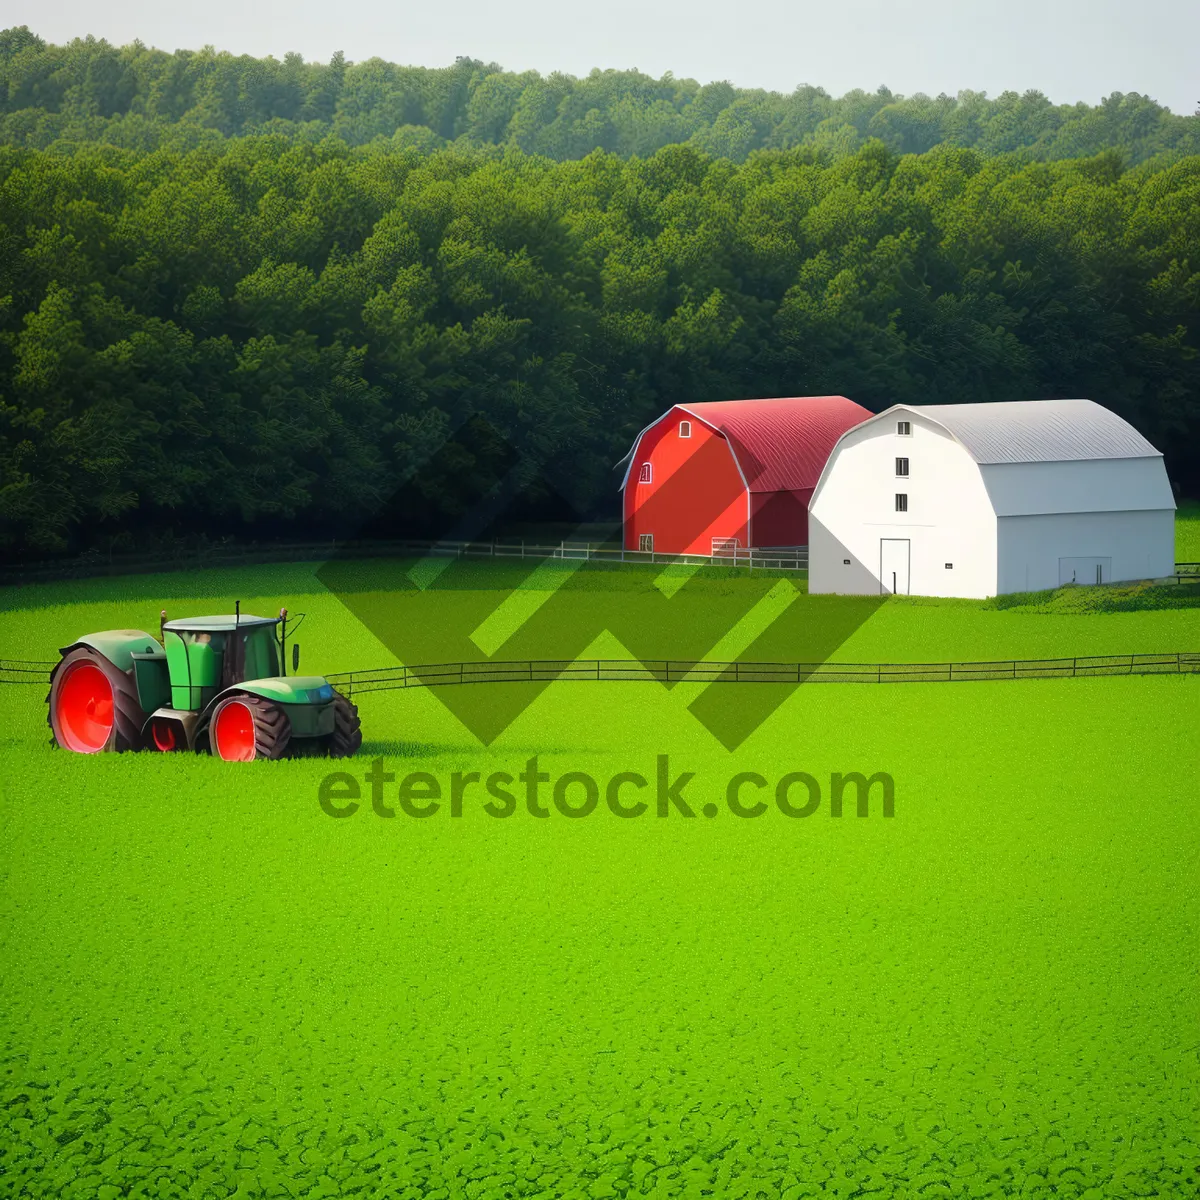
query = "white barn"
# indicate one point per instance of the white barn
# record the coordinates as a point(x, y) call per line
point(974, 500)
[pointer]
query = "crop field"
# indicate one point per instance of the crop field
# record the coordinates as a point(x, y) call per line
point(212, 987)
point(1187, 532)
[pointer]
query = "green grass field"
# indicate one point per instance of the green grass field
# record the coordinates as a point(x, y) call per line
point(1187, 532)
point(211, 988)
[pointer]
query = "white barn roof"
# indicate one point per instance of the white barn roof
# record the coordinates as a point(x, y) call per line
point(1028, 431)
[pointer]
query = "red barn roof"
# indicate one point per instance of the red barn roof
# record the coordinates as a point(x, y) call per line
point(781, 445)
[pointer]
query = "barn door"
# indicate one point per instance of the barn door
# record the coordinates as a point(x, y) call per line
point(893, 566)
point(1084, 570)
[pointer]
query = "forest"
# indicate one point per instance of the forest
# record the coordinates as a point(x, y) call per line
point(244, 298)
point(143, 99)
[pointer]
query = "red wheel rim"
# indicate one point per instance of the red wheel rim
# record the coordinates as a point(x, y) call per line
point(83, 708)
point(163, 733)
point(233, 733)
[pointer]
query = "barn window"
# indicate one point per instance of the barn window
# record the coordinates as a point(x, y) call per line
point(902, 502)
point(646, 542)
point(949, 566)
point(685, 429)
point(904, 428)
point(646, 475)
point(902, 466)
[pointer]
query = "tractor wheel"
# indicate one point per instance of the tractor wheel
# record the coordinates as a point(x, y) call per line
point(93, 704)
point(245, 727)
point(347, 728)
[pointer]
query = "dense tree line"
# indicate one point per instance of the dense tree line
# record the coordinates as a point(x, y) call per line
point(262, 336)
point(90, 91)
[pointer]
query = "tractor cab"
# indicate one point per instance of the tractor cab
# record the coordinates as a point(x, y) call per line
point(206, 655)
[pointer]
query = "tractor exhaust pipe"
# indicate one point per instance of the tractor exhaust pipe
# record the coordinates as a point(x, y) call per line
point(283, 641)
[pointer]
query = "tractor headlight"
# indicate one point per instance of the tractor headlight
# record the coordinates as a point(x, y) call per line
point(324, 692)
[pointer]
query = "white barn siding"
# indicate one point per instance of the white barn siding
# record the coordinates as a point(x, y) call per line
point(1051, 511)
point(853, 510)
point(1127, 545)
point(1083, 485)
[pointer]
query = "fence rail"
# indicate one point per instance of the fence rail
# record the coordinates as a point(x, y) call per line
point(793, 558)
point(672, 671)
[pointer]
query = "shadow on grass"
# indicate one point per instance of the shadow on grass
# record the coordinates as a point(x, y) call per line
point(400, 748)
point(484, 574)
point(158, 589)
point(219, 583)
point(1107, 598)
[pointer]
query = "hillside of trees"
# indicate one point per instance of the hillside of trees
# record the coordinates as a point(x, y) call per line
point(260, 336)
point(139, 98)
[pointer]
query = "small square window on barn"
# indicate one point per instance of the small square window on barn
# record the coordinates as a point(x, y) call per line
point(646, 542)
point(904, 428)
point(902, 502)
point(646, 475)
point(902, 466)
point(685, 429)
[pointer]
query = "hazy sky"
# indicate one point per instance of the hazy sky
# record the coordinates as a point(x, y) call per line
point(1069, 49)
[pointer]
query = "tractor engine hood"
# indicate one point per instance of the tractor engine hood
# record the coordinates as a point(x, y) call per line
point(295, 689)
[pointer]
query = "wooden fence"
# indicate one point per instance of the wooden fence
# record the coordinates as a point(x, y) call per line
point(97, 565)
point(672, 671)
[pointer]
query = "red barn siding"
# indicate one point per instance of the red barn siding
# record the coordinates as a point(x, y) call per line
point(696, 492)
point(747, 472)
point(780, 518)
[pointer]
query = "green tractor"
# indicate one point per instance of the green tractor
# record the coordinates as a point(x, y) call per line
point(207, 684)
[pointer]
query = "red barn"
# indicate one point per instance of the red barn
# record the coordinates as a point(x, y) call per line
point(708, 477)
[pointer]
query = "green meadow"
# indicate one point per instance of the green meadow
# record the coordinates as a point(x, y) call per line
point(211, 987)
